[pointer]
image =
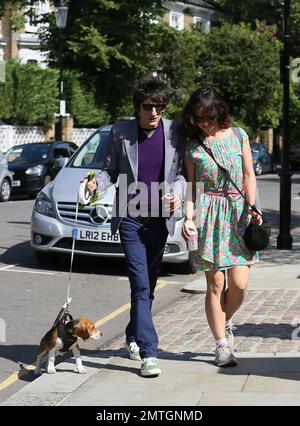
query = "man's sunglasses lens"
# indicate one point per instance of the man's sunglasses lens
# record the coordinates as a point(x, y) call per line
point(158, 107)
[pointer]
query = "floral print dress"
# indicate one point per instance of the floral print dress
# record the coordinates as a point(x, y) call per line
point(221, 213)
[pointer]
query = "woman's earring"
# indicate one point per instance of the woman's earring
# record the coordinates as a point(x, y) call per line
point(192, 121)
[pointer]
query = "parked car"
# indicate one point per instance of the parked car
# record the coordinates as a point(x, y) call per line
point(35, 164)
point(53, 217)
point(5, 179)
point(263, 161)
point(294, 157)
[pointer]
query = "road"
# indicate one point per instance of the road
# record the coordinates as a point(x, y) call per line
point(31, 296)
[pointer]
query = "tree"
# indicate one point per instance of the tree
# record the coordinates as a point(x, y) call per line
point(29, 95)
point(110, 43)
point(243, 66)
point(251, 11)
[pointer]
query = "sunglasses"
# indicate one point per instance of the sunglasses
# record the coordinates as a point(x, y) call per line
point(201, 118)
point(158, 107)
point(205, 91)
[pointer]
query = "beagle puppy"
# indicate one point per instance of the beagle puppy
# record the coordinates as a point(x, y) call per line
point(63, 336)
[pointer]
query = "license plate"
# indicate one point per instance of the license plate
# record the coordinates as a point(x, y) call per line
point(16, 183)
point(93, 235)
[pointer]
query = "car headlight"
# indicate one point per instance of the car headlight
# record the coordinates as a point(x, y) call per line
point(44, 205)
point(36, 170)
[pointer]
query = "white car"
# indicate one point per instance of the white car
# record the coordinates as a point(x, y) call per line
point(54, 213)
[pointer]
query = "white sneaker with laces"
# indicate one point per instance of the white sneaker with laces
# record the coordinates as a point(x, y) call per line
point(149, 367)
point(224, 357)
point(230, 337)
point(133, 350)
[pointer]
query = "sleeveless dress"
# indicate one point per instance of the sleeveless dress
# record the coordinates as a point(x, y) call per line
point(221, 214)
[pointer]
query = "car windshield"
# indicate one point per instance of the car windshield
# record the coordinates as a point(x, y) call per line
point(30, 152)
point(92, 154)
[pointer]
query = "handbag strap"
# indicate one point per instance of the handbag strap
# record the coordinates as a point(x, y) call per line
point(226, 172)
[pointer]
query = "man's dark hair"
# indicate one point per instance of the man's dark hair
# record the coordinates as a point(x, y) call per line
point(152, 88)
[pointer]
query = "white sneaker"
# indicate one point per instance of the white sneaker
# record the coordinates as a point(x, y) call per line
point(229, 337)
point(224, 357)
point(149, 367)
point(133, 350)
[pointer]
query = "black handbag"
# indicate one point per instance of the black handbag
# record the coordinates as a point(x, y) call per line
point(256, 237)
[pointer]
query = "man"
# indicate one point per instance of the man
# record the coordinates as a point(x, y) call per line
point(143, 155)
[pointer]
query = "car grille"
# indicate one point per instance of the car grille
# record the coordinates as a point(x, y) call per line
point(67, 213)
point(90, 246)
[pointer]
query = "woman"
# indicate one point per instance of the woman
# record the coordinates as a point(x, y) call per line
point(223, 215)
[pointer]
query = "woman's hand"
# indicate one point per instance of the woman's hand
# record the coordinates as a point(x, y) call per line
point(256, 217)
point(188, 228)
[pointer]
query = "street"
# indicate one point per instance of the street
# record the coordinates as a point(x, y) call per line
point(31, 296)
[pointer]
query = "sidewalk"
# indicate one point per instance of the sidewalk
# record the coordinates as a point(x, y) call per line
point(269, 360)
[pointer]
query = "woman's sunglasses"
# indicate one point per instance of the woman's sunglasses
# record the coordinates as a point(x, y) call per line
point(202, 118)
point(149, 107)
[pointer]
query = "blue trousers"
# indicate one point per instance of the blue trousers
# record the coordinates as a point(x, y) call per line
point(143, 244)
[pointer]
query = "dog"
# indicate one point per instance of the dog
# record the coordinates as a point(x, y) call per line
point(63, 336)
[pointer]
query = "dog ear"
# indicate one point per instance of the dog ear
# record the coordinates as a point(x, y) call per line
point(81, 329)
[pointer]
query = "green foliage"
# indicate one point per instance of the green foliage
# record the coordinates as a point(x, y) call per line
point(29, 95)
point(81, 102)
point(110, 43)
point(243, 66)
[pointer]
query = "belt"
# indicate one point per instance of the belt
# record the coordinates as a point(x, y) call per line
point(147, 219)
point(221, 194)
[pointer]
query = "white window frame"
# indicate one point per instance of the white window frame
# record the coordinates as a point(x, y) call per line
point(180, 20)
point(205, 23)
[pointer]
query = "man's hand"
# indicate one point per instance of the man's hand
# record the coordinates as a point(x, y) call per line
point(91, 184)
point(171, 202)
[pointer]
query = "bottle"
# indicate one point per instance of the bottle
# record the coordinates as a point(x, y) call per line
point(193, 240)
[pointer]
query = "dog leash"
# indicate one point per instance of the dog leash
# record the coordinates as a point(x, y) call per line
point(74, 238)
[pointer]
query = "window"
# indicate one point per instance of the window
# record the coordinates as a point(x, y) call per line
point(33, 13)
point(92, 154)
point(202, 23)
point(177, 20)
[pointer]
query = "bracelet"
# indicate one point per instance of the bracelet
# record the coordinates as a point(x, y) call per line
point(187, 218)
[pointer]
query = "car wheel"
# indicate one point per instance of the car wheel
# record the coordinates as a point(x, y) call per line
point(258, 169)
point(5, 190)
point(47, 179)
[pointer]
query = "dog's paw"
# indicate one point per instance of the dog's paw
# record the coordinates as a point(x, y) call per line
point(51, 370)
point(37, 372)
point(80, 370)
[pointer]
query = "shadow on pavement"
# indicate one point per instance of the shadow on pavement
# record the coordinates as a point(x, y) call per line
point(266, 330)
point(23, 256)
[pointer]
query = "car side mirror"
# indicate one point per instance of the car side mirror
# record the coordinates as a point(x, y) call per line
point(59, 163)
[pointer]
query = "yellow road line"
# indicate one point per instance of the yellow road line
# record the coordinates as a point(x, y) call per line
point(26, 370)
